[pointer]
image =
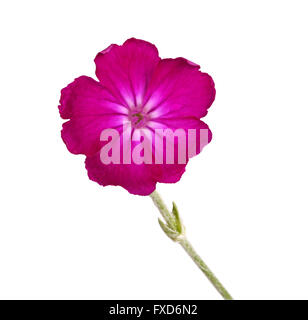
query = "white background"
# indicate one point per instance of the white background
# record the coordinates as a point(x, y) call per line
point(243, 200)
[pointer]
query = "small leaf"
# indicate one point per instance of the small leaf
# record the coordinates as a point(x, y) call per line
point(176, 215)
point(168, 231)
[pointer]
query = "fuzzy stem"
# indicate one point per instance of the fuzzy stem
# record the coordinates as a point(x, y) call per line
point(177, 233)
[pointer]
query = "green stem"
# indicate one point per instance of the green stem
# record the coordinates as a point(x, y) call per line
point(204, 268)
point(159, 203)
point(175, 230)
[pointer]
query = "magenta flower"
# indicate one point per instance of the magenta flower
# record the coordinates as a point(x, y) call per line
point(135, 86)
point(139, 125)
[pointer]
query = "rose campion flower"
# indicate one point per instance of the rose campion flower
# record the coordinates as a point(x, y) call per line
point(139, 88)
point(139, 124)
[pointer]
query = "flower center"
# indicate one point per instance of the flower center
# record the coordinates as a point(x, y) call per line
point(138, 118)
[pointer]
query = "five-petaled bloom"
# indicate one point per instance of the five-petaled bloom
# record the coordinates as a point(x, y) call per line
point(138, 88)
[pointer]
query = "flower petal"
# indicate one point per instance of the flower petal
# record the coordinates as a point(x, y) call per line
point(89, 106)
point(136, 179)
point(170, 173)
point(82, 135)
point(178, 88)
point(126, 70)
point(85, 96)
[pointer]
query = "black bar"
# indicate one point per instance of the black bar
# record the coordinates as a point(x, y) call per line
point(152, 309)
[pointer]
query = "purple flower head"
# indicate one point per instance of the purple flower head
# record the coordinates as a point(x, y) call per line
point(138, 123)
